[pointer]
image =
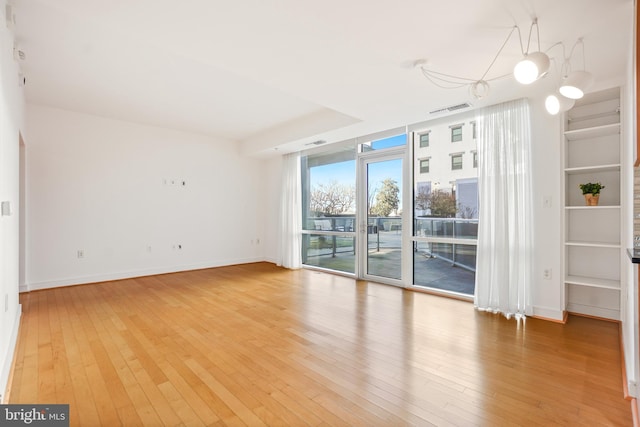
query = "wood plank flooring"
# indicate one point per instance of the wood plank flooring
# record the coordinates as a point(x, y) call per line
point(256, 345)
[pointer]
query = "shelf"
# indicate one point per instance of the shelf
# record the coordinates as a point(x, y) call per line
point(593, 169)
point(592, 132)
point(593, 283)
point(593, 244)
point(591, 236)
point(592, 208)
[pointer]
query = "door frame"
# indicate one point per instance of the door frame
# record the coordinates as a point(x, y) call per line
point(363, 160)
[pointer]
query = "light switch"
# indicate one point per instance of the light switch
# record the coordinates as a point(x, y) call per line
point(6, 208)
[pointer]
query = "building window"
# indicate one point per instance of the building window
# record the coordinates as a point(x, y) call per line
point(424, 166)
point(475, 159)
point(456, 133)
point(456, 162)
point(424, 140)
point(473, 129)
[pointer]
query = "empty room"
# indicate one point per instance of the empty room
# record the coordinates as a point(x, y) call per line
point(361, 213)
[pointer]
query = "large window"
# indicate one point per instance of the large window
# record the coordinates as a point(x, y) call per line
point(445, 223)
point(328, 209)
point(432, 236)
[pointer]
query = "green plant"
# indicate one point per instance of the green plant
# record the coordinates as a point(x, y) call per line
point(591, 188)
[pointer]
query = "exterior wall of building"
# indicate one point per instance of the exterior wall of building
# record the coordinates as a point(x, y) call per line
point(440, 153)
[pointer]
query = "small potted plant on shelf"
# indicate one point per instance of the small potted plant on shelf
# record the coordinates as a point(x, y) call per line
point(591, 192)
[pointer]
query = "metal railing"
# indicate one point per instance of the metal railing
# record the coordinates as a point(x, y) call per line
point(438, 233)
point(441, 233)
point(453, 228)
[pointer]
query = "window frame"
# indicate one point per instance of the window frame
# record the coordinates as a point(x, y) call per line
point(455, 137)
point(426, 159)
point(421, 142)
point(453, 164)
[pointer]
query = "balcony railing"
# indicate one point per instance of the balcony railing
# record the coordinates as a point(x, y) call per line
point(455, 228)
point(452, 228)
point(450, 239)
point(330, 242)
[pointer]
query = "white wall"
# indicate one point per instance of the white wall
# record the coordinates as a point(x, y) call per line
point(11, 120)
point(273, 182)
point(547, 295)
point(104, 187)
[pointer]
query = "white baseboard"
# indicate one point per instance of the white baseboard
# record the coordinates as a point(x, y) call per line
point(548, 313)
point(131, 274)
point(10, 356)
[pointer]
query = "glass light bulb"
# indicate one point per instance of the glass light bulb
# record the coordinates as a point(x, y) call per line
point(552, 104)
point(526, 72)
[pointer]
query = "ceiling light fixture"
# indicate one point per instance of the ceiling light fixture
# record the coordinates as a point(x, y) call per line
point(575, 83)
point(556, 103)
point(534, 65)
point(572, 85)
point(479, 88)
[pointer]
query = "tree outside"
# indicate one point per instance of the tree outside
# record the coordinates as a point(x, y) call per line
point(441, 203)
point(387, 199)
point(332, 199)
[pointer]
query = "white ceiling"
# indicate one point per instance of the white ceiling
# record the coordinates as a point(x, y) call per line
point(283, 73)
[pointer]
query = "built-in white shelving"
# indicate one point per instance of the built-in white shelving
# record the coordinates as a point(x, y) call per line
point(592, 234)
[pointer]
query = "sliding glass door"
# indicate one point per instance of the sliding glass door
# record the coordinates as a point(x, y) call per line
point(382, 210)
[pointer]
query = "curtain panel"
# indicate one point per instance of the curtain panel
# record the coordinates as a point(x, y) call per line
point(290, 241)
point(505, 233)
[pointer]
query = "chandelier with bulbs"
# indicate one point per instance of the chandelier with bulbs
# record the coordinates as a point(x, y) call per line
point(533, 66)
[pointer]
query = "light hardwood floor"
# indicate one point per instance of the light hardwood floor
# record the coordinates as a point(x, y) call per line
point(259, 345)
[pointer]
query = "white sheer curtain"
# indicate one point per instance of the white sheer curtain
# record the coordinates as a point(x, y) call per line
point(504, 264)
point(289, 245)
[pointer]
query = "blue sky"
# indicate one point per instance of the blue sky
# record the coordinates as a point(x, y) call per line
point(345, 172)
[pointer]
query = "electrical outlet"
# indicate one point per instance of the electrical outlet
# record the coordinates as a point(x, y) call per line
point(80, 253)
point(546, 274)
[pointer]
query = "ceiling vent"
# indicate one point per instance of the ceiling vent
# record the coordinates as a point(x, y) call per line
point(451, 108)
point(319, 142)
